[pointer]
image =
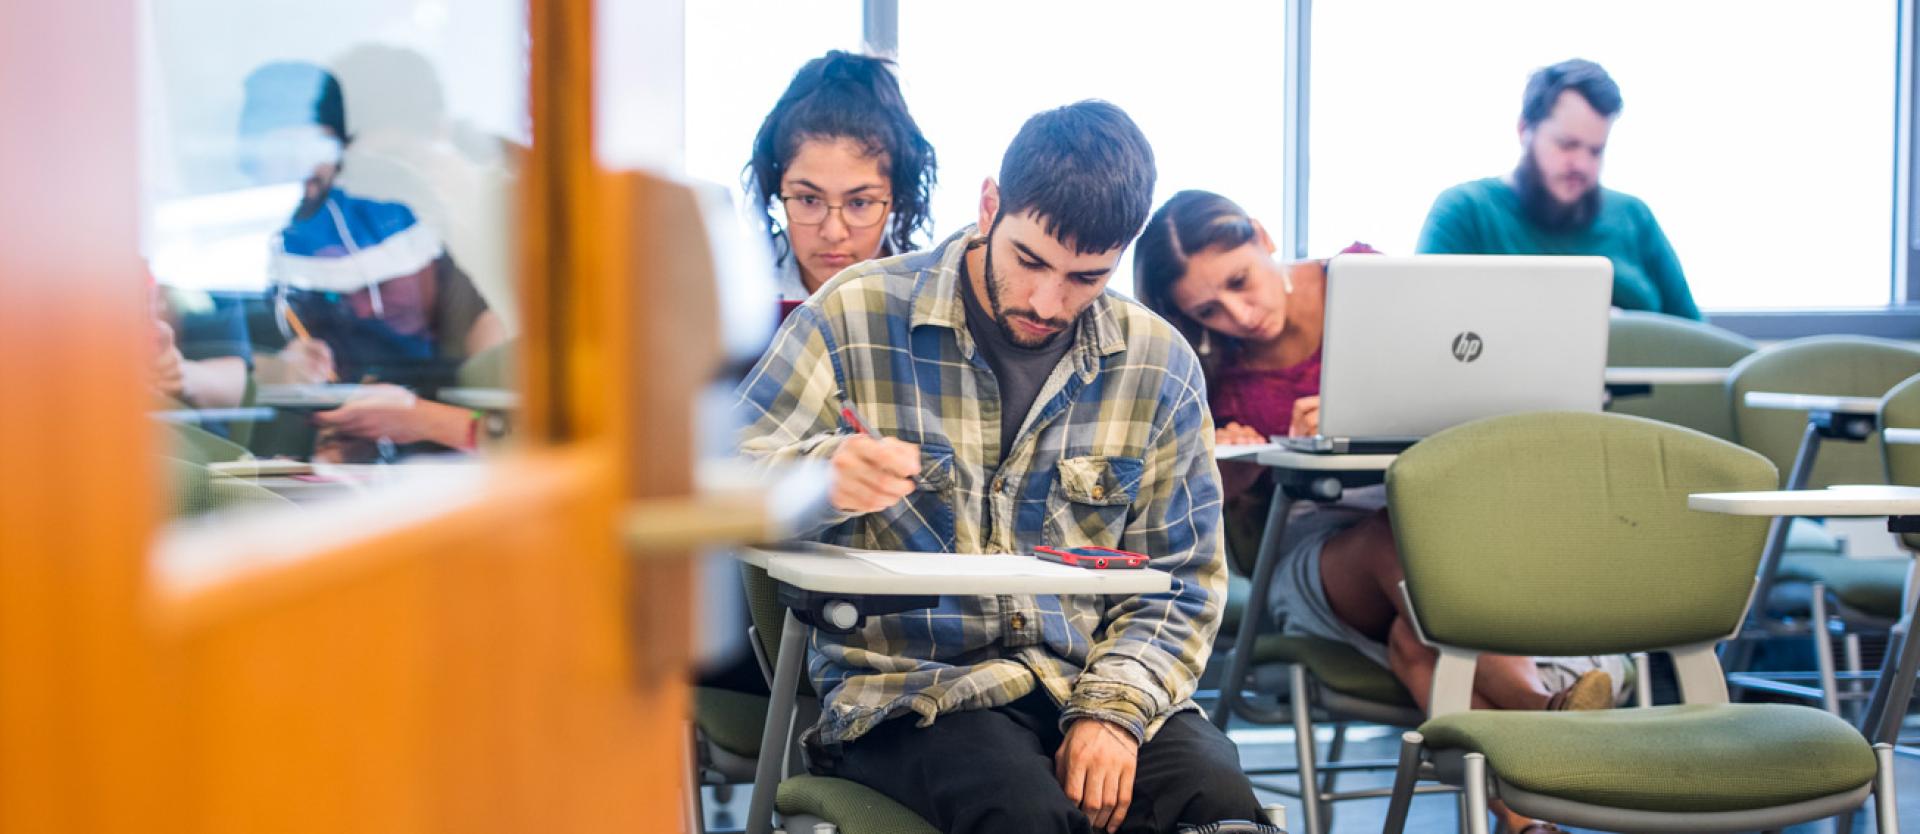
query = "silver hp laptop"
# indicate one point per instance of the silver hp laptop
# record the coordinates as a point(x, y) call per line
point(1416, 344)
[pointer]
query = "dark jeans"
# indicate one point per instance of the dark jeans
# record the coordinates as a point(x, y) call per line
point(991, 772)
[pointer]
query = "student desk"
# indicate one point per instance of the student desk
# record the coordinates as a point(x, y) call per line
point(200, 416)
point(835, 589)
point(1851, 419)
point(484, 399)
point(317, 396)
point(1880, 722)
point(332, 480)
point(1639, 382)
point(1297, 476)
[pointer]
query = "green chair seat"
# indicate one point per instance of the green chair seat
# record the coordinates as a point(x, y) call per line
point(1336, 665)
point(732, 720)
point(855, 808)
point(1871, 586)
point(1672, 758)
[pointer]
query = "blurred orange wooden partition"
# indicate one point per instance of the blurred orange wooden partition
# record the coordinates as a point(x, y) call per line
point(501, 661)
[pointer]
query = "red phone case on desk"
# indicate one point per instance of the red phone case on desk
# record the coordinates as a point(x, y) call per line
point(1092, 558)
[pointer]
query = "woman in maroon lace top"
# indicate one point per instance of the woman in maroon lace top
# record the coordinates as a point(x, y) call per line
point(1207, 267)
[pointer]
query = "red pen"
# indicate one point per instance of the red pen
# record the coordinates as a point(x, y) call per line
point(853, 418)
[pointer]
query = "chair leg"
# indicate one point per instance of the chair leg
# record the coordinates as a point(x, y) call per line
point(1305, 750)
point(1476, 778)
point(1885, 811)
point(1823, 650)
point(1336, 750)
point(1466, 813)
point(1854, 666)
point(1403, 779)
point(1843, 824)
point(692, 807)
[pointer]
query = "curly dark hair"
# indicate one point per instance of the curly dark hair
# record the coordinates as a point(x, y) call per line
point(845, 96)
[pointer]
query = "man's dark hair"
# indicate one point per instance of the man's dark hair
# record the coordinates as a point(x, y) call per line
point(841, 95)
point(1579, 75)
point(1085, 170)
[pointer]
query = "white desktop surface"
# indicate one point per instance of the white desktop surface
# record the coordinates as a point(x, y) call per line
point(310, 396)
point(1243, 451)
point(485, 399)
point(1807, 402)
point(837, 571)
point(1900, 437)
point(1280, 458)
point(1866, 500)
point(1665, 376)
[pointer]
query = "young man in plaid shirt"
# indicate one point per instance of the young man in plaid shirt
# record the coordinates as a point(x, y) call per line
point(1020, 404)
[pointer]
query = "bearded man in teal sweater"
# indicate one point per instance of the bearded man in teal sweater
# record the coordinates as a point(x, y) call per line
point(1552, 203)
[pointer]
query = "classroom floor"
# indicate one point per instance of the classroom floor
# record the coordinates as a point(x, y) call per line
point(1273, 747)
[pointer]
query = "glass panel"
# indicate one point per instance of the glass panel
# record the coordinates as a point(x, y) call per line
point(1752, 130)
point(1206, 88)
point(327, 203)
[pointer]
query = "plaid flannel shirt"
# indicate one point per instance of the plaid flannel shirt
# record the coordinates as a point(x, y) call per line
point(1116, 452)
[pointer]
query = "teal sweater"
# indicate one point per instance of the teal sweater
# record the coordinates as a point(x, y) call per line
point(1483, 218)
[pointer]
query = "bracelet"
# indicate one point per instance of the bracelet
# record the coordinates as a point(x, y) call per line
point(474, 418)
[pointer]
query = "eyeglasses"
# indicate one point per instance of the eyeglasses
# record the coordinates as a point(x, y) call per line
point(812, 210)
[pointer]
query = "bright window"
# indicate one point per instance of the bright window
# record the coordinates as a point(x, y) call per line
point(740, 57)
point(1204, 87)
point(1760, 133)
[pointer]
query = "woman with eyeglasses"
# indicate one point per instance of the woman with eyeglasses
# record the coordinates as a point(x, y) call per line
point(840, 171)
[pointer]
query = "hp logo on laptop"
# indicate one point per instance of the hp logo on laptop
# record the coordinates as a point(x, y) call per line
point(1467, 346)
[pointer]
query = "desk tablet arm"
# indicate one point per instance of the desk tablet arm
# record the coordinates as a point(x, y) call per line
point(1623, 390)
point(1837, 426)
point(846, 613)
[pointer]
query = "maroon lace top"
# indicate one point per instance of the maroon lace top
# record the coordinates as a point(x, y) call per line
point(1262, 399)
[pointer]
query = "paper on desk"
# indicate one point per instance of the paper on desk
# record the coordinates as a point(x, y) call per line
point(959, 564)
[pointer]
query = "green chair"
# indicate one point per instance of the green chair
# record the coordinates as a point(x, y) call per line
point(495, 367)
point(1302, 681)
point(1306, 680)
point(805, 799)
point(1802, 588)
point(727, 727)
point(1569, 534)
point(197, 491)
point(200, 446)
point(1653, 340)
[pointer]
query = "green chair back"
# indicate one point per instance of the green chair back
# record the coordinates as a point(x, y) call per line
point(197, 491)
point(241, 431)
point(1654, 340)
point(1900, 408)
point(494, 367)
point(1558, 533)
point(200, 446)
point(769, 616)
point(1842, 366)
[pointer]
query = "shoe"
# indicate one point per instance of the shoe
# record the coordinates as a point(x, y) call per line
point(1594, 690)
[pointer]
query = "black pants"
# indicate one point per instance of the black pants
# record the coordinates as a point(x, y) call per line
point(991, 772)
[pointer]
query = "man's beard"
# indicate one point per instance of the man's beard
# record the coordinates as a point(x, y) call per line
point(1545, 210)
point(1003, 318)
